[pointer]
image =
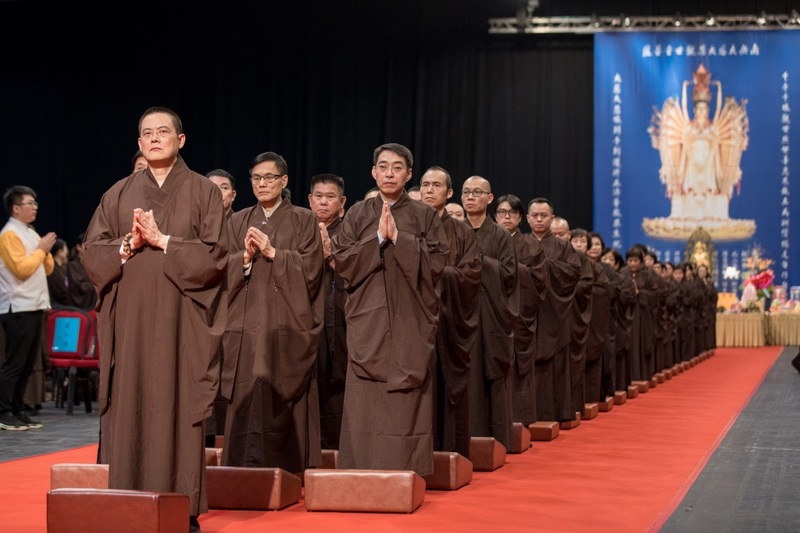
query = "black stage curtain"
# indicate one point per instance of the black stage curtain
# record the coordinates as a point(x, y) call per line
point(322, 83)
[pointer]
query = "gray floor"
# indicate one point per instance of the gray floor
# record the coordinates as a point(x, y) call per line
point(60, 432)
point(752, 481)
point(750, 484)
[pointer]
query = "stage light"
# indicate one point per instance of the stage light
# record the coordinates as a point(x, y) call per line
point(595, 21)
point(710, 20)
point(794, 18)
point(677, 21)
point(626, 21)
point(616, 21)
point(762, 18)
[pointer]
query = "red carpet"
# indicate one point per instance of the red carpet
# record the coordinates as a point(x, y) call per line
point(626, 470)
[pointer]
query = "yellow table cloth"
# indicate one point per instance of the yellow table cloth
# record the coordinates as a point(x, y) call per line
point(783, 329)
point(741, 329)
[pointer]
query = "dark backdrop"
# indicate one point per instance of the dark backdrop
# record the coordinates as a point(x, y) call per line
point(322, 83)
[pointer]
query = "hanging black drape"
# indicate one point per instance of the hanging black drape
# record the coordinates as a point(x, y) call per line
point(322, 83)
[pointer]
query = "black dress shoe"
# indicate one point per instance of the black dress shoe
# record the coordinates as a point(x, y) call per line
point(194, 525)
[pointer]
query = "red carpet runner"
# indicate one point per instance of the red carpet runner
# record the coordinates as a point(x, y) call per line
point(626, 470)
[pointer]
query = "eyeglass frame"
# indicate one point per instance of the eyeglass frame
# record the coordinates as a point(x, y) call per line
point(268, 178)
point(507, 212)
point(32, 203)
point(162, 133)
point(477, 193)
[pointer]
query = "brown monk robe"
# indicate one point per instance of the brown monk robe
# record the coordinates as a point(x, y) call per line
point(599, 325)
point(493, 353)
point(532, 280)
point(273, 329)
point(580, 318)
point(643, 331)
point(332, 352)
point(710, 296)
point(459, 320)
point(673, 339)
point(696, 295)
point(392, 314)
point(161, 317)
point(551, 371)
point(609, 349)
point(626, 309)
point(459, 289)
point(661, 320)
point(532, 276)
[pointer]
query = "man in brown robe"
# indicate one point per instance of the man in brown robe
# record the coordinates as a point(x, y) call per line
point(327, 201)
point(532, 280)
point(493, 354)
point(157, 252)
point(270, 341)
point(459, 289)
point(390, 254)
point(553, 383)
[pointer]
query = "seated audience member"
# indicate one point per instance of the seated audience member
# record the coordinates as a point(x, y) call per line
point(58, 280)
point(81, 291)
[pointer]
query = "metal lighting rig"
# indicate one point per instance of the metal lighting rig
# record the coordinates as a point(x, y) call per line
point(525, 22)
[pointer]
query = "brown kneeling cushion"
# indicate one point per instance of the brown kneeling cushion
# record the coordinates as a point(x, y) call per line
point(368, 491)
point(238, 487)
point(78, 476)
point(118, 511)
point(543, 431)
point(486, 453)
point(451, 471)
point(520, 438)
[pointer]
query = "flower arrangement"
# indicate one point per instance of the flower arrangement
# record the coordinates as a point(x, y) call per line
point(758, 274)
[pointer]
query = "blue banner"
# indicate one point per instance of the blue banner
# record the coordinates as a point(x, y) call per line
point(694, 130)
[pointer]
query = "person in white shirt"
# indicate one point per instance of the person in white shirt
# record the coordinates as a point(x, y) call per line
point(25, 263)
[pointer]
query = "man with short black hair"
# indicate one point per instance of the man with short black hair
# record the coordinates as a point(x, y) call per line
point(390, 253)
point(553, 383)
point(459, 320)
point(227, 186)
point(274, 323)
point(24, 298)
point(327, 201)
point(157, 252)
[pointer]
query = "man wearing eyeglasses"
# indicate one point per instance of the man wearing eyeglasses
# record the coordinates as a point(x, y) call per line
point(390, 253)
point(274, 323)
point(157, 253)
point(552, 376)
point(26, 263)
point(493, 352)
point(459, 289)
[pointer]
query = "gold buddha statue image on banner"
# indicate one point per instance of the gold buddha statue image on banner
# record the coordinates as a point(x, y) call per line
point(700, 158)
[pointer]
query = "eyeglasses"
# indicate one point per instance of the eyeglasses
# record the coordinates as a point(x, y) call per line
point(268, 178)
point(507, 212)
point(161, 132)
point(477, 193)
point(32, 203)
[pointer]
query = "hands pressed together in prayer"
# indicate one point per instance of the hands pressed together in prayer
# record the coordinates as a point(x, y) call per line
point(46, 243)
point(327, 250)
point(257, 241)
point(144, 231)
point(386, 227)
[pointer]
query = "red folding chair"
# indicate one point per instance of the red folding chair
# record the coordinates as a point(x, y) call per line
point(72, 346)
